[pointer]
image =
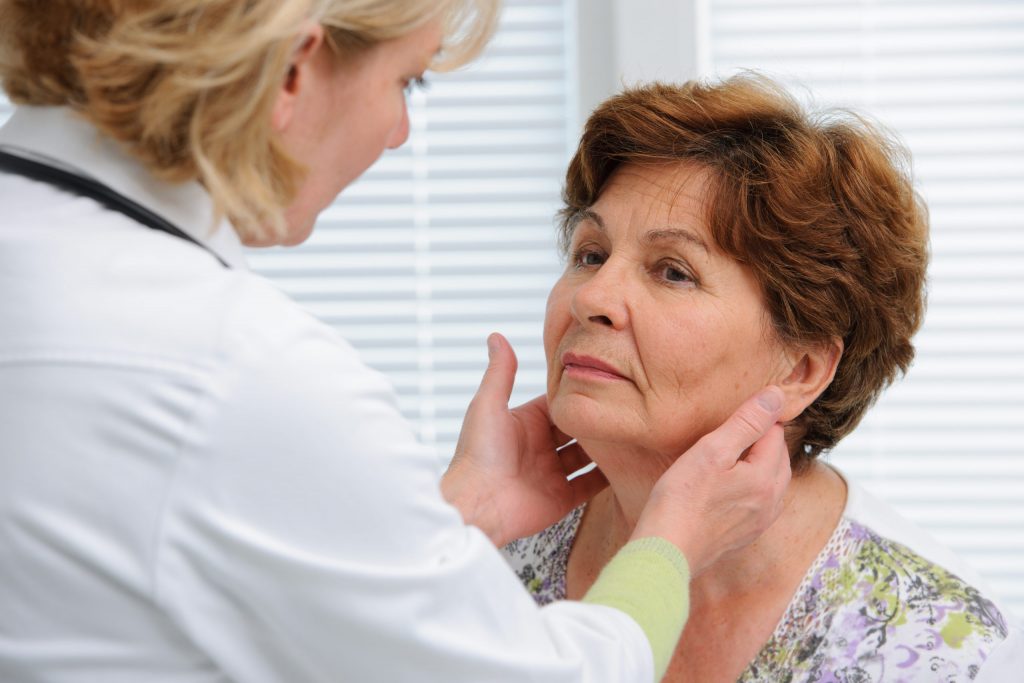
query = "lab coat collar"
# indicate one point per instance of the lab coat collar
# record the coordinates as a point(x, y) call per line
point(59, 137)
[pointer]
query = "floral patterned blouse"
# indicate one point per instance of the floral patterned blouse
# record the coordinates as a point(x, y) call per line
point(868, 610)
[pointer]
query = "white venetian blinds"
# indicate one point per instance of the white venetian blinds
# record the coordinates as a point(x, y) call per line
point(946, 445)
point(450, 237)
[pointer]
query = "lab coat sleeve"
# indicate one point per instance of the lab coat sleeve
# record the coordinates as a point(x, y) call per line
point(304, 539)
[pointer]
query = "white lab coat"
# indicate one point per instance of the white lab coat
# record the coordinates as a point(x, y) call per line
point(199, 482)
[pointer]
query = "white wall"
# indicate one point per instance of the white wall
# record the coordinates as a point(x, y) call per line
point(621, 42)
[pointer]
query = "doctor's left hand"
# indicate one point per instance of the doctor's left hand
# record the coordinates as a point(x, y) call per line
point(507, 478)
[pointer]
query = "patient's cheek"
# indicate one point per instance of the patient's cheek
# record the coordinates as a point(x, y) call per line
point(605, 419)
point(675, 429)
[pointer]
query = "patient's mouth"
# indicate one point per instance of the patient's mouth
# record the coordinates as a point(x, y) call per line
point(587, 367)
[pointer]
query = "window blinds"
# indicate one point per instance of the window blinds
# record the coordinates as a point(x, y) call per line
point(945, 445)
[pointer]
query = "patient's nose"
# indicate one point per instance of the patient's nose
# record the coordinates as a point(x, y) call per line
point(600, 300)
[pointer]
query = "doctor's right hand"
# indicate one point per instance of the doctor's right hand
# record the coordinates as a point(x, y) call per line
point(727, 489)
point(509, 473)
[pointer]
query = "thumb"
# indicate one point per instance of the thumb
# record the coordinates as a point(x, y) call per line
point(750, 422)
point(770, 458)
point(500, 375)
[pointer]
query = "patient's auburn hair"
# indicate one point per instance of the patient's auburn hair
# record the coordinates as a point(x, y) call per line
point(187, 86)
point(821, 208)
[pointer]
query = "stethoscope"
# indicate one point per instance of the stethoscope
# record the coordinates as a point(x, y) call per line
point(87, 187)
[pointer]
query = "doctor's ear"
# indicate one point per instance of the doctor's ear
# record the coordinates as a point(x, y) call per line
point(811, 371)
point(299, 73)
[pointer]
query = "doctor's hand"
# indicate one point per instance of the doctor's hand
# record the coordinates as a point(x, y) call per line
point(727, 489)
point(507, 478)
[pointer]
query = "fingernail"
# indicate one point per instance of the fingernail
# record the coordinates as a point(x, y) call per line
point(770, 399)
point(492, 345)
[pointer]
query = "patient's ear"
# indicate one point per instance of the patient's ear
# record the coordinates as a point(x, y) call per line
point(812, 370)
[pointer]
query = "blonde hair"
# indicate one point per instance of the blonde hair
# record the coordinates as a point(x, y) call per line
point(188, 86)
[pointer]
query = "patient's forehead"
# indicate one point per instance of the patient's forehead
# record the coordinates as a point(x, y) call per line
point(668, 182)
point(654, 200)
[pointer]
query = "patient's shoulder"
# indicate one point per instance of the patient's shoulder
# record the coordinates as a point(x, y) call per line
point(540, 561)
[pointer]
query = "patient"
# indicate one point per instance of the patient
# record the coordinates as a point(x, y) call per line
point(719, 239)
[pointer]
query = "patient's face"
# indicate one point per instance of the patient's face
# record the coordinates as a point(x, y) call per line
point(653, 336)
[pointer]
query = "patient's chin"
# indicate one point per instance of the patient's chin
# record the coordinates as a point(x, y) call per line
point(584, 419)
point(597, 424)
point(589, 421)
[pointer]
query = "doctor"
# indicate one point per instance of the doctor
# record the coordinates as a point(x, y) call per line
point(198, 481)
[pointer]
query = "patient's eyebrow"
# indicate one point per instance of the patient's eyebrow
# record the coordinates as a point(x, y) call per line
point(647, 239)
point(674, 235)
point(588, 215)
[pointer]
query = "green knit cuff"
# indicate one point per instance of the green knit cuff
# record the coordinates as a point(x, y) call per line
point(648, 580)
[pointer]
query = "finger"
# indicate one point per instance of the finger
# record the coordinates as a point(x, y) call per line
point(770, 452)
point(558, 437)
point(586, 486)
point(784, 470)
point(539, 404)
point(500, 375)
point(771, 462)
point(750, 422)
point(573, 458)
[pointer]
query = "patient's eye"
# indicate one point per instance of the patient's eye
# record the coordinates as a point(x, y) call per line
point(674, 272)
point(588, 256)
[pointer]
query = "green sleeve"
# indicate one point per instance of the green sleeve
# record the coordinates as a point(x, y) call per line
point(648, 580)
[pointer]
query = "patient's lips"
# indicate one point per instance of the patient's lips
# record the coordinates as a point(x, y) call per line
point(588, 367)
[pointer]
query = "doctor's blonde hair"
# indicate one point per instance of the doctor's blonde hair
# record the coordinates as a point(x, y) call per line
point(188, 86)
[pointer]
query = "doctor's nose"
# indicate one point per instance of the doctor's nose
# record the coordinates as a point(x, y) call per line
point(401, 132)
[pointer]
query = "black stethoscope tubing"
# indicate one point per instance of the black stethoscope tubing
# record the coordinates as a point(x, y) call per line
point(87, 187)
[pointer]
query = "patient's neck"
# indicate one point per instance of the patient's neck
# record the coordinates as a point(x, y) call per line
point(631, 474)
point(813, 505)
